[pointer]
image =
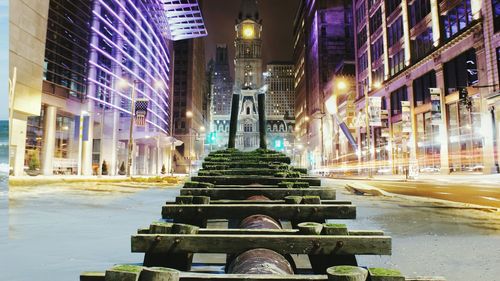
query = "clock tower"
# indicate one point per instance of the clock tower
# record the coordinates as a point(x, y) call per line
point(248, 44)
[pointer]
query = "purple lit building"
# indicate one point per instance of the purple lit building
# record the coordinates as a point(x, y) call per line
point(104, 49)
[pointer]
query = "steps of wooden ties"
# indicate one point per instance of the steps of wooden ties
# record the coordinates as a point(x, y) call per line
point(236, 189)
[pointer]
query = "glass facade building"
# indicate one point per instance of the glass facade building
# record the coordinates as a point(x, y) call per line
point(126, 44)
point(100, 55)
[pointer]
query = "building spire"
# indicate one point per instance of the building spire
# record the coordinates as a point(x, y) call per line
point(249, 10)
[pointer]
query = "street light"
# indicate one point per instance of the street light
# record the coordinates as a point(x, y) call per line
point(189, 115)
point(376, 85)
point(122, 83)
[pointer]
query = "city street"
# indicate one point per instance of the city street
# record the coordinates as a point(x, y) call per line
point(477, 189)
point(60, 231)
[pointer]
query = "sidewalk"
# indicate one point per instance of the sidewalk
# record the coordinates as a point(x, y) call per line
point(40, 179)
point(476, 178)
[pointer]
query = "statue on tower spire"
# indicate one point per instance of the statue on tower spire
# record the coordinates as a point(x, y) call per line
point(249, 10)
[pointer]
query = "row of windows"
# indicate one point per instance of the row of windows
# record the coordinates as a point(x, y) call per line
point(363, 62)
point(395, 31)
point(391, 6)
point(377, 49)
point(376, 21)
point(457, 19)
point(143, 59)
point(66, 51)
point(418, 10)
point(422, 45)
point(397, 62)
point(362, 37)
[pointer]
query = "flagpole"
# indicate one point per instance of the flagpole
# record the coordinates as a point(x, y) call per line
point(131, 131)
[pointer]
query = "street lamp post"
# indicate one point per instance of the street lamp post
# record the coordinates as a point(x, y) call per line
point(189, 115)
point(368, 132)
point(131, 130)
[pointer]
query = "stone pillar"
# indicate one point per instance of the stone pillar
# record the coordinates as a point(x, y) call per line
point(443, 128)
point(436, 29)
point(262, 120)
point(49, 140)
point(18, 142)
point(87, 146)
point(413, 134)
point(233, 125)
point(486, 120)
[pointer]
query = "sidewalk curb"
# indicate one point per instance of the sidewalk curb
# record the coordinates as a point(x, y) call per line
point(362, 188)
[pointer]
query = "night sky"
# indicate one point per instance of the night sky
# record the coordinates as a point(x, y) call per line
point(277, 19)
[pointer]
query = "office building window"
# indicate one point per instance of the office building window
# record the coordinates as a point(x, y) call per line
point(361, 13)
point(461, 71)
point(421, 45)
point(362, 37)
point(363, 62)
point(419, 10)
point(371, 3)
point(377, 49)
point(421, 85)
point(378, 75)
point(395, 31)
point(397, 62)
point(391, 6)
point(397, 97)
point(457, 19)
point(496, 13)
point(376, 21)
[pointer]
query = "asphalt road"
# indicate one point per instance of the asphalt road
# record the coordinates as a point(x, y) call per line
point(479, 194)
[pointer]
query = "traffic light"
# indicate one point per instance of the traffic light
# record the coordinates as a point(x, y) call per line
point(211, 138)
point(279, 144)
point(463, 93)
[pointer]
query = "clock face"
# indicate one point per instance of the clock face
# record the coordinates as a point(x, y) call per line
point(248, 31)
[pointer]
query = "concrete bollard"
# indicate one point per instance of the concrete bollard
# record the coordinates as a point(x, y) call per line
point(346, 273)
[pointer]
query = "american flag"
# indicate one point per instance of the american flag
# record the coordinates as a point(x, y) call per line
point(141, 111)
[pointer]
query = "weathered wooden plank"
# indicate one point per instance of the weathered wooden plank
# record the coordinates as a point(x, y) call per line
point(240, 231)
point(92, 276)
point(266, 202)
point(366, 232)
point(317, 213)
point(187, 276)
point(425, 278)
point(271, 193)
point(248, 180)
point(284, 244)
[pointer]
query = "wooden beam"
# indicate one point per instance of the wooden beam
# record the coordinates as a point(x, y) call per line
point(265, 202)
point(248, 180)
point(92, 276)
point(318, 213)
point(187, 276)
point(191, 276)
point(284, 244)
point(244, 193)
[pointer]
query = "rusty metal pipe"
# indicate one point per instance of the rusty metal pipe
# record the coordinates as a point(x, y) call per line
point(260, 261)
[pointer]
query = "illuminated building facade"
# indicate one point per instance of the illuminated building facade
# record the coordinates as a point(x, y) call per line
point(323, 40)
point(407, 49)
point(221, 93)
point(97, 53)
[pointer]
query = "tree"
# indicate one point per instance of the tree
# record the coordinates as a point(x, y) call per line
point(34, 162)
point(163, 169)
